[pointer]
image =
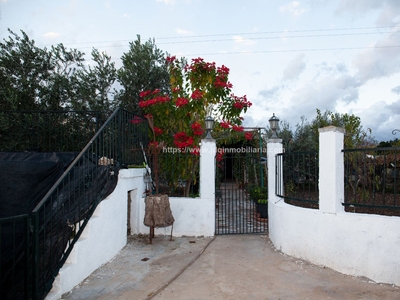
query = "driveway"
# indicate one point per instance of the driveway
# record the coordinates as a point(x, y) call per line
point(226, 267)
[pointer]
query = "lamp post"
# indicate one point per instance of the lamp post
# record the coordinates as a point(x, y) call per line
point(273, 123)
point(209, 125)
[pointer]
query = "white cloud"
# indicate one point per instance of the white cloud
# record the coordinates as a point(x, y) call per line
point(396, 90)
point(382, 61)
point(183, 31)
point(390, 9)
point(240, 40)
point(382, 119)
point(293, 8)
point(51, 35)
point(270, 93)
point(294, 68)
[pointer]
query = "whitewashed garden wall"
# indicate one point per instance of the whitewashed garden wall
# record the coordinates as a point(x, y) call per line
point(355, 244)
point(106, 233)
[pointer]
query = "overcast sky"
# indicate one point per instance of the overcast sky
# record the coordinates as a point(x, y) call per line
point(288, 57)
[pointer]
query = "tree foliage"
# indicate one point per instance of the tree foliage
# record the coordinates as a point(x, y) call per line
point(143, 68)
point(32, 78)
point(306, 135)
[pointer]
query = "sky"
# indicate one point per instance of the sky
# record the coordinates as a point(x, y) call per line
point(288, 57)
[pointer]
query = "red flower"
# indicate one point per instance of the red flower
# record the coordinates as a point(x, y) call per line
point(237, 128)
point(197, 94)
point(195, 151)
point(197, 128)
point(238, 105)
point(182, 140)
point(144, 94)
point(248, 136)
point(220, 155)
point(181, 102)
point(225, 124)
point(155, 100)
point(157, 131)
point(240, 102)
point(170, 59)
point(221, 82)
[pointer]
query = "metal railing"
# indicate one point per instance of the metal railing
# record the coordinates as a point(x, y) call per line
point(49, 233)
point(16, 258)
point(372, 180)
point(297, 176)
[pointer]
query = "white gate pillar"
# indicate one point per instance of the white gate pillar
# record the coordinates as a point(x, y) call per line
point(274, 146)
point(207, 169)
point(331, 169)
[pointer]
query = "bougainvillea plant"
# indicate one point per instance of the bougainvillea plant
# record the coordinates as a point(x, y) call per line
point(198, 90)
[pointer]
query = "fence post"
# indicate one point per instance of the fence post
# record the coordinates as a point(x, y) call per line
point(331, 169)
point(274, 146)
point(207, 168)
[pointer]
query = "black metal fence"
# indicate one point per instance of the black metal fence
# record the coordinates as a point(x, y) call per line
point(35, 246)
point(241, 196)
point(297, 178)
point(372, 180)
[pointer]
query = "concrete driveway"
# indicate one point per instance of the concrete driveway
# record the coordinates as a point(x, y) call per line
point(226, 267)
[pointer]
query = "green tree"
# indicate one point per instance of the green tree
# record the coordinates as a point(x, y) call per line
point(24, 71)
point(355, 135)
point(60, 91)
point(143, 68)
point(92, 85)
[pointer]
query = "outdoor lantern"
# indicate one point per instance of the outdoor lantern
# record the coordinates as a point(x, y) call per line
point(273, 123)
point(209, 125)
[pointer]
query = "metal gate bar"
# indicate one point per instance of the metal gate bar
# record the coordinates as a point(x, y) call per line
point(235, 212)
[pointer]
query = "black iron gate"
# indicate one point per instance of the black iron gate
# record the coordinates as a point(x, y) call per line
point(237, 210)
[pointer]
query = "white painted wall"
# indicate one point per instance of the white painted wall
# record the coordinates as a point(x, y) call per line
point(354, 244)
point(193, 216)
point(106, 233)
point(103, 237)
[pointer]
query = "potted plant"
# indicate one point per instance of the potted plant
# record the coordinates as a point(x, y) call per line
point(257, 192)
point(263, 208)
point(259, 195)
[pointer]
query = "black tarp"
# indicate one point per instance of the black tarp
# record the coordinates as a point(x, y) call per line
point(25, 179)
